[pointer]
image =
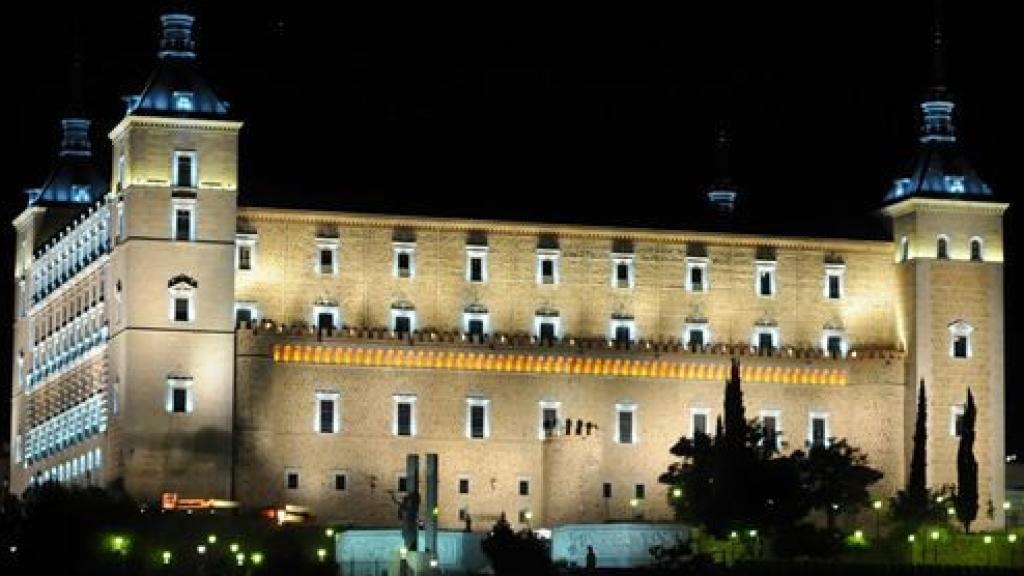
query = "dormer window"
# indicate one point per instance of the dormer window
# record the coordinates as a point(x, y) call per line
point(955, 184)
point(184, 170)
point(183, 101)
point(942, 247)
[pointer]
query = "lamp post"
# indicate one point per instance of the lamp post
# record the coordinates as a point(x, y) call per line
point(988, 548)
point(935, 546)
point(910, 540)
point(1011, 539)
point(877, 505)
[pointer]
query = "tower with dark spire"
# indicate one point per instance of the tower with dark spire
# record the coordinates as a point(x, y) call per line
point(175, 195)
point(948, 253)
point(723, 193)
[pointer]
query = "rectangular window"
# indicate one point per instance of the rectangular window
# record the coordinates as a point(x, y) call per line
point(547, 271)
point(405, 415)
point(834, 346)
point(478, 425)
point(524, 487)
point(121, 172)
point(325, 320)
point(625, 423)
point(476, 269)
point(463, 485)
point(960, 346)
point(766, 283)
point(403, 324)
point(402, 483)
point(326, 261)
point(181, 309)
point(764, 277)
point(291, 480)
point(639, 491)
point(765, 342)
point(328, 413)
point(547, 266)
point(623, 276)
point(956, 420)
point(243, 316)
point(185, 169)
point(475, 327)
point(834, 291)
point(696, 279)
point(622, 335)
point(179, 400)
point(606, 490)
point(340, 481)
point(245, 258)
point(818, 433)
point(698, 422)
point(547, 331)
point(697, 273)
point(404, 259)
point(549, 421)
point(770, 425)
point(696, 340)
point(182, 224)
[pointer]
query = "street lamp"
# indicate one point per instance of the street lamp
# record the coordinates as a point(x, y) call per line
point(256, 558)
point(233, 547)
point(200, 549)
point(329, 532)
point(910, 540)
point(240, 559)
point(1012, 539)
point(321, 554)
point(935, 545)
point(211, 539)
point(988, 548)
point(877, 505)
point(166, 557)
point(677, 493)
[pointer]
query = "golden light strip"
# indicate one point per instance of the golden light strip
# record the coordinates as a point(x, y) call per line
point(549, 364)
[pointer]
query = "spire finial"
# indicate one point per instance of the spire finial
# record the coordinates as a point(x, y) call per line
point(176, 40)
point(938, 56)
point(722, 193)
point(937, 107)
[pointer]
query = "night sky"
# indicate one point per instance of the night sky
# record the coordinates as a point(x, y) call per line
point(591, 117)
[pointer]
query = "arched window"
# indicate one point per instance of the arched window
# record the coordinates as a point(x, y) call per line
point(942, 247)
point(960, 339)
point(977, 250)
point(182, 291)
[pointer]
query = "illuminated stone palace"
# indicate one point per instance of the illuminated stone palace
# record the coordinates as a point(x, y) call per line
point(167, 339)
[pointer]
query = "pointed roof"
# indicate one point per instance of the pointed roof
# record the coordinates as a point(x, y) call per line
point(176, 88)
point(75, 179)
point(939, 168)
point(722, 194)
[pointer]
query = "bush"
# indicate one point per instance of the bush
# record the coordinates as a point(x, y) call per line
point(516, 553)
point(806, 540)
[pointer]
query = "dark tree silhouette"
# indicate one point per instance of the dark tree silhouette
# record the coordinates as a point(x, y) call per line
point(967, 468)
point(914, 504)
point(835, 478)
point(515, 553)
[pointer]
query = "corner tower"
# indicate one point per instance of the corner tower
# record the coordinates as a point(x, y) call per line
point(948, 251)
point(174, 196)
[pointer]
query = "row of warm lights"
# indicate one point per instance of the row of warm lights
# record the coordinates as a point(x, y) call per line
point(1011, 538)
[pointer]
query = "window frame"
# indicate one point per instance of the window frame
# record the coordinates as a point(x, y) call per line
point(631, 408)
point(193, 168)
point(554, 255)
point(334, 397)
point(628, 260)
point(396, 400)
point(956, 412)
point(615, 323)
point(245, 241)
point(485, 404)
point(327, 245)
point(942, 247)
point(769, 267)
point(482, 315)
point(755, 339)
point(815, 415)
point(288, 471)
point(179, 96)
point(182, 290)
point(703, 264)
point(543, 405)
point(408, 248)
point(249, 305)
point(396, 313)
point(185, 383)
point(699, 411)
point(333, 309)
point(837, 271)
point(473, 252)
point(335, 474)
point(844, 345)
point(183, 205)
point(981, 249)
point(960, 328)
point(777, 415)
point(547, 318)
point(703, 327)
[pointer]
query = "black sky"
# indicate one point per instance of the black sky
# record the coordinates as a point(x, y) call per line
point(596, 117)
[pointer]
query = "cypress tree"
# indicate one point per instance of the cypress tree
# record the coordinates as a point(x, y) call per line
point(917, 491)
point(967, 468)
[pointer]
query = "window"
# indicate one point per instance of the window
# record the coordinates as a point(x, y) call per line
point(547, 325)
point(476, 321)
point(122, 172)
point(623, 270)
point(549, 418)
point(833, 342)
point(977, 249)
point(834, 274)
point(401, 483)
point(122, 229)
point(765, 339)
point(340, 481)
point(326, 317)
point(328, 412)
point(697, 274)
point(625, 423)
point(464, 485)
point(639, 491)
point(245, 312)
point(960, 339)
point(696, 335)
point(771, 422)
point(547, 266)
point(404, 423)
point(817, 429)
point(291, 479)
point(622, 330)
point(955, 184)
point(904, 249)
point(245, 252)
point(327, 256)
point(476, 264)
point(956, 420)
point(403, 318)
point(182, 291)
point(765, 277)
point(184, 169)
point(524, 487)
point(183, 222)
point(942, 247)
point(183, 101)
point(179, 395)
point(606, 490)
point(404, 259)
point(478, 425)
point(699, 421)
